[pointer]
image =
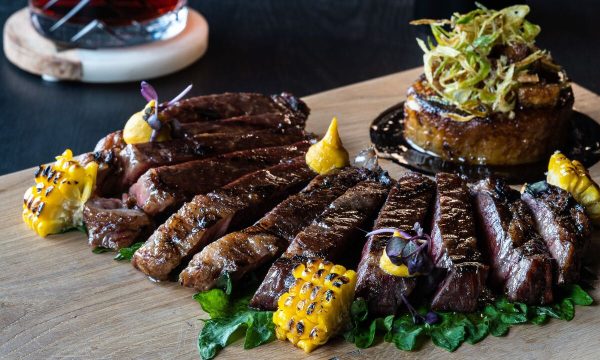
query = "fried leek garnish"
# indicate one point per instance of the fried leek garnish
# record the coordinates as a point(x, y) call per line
point(329, 153)
point(479, 58)
point(317, 306)
point(573, 177)
point(55, 203)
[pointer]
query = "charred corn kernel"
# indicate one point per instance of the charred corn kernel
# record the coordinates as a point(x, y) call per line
point(55, 203)
point(329, 153)
point(317, 305)
point(573, 177)
point(137, 130)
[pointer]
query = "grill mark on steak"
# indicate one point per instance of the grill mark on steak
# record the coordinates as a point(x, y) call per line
point(227, 105)
point(331, 236)
point(111, 224)
point(209, 216)
point(454, 247)
point(163, 189)
point(240, 124)
point(408, 202)
point(563, 225)
point(520, 262)
point(136, 159)
point(241, 252)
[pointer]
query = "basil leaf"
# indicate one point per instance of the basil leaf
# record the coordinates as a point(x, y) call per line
point(260, 329)
point(127, 253)
point(100, 250)
point(215, 334)
point(567, 309)
point(477, 328)
point(450, 333)
point(579, 296)
point(404, 333)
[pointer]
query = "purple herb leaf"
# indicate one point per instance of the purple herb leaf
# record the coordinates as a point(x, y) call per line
point(432, 318)
point(394, 249)
point(148, 92)
point(181, 95)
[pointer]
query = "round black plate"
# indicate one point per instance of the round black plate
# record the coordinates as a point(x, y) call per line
point(387, 136)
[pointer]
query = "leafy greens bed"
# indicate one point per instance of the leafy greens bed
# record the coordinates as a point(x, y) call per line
point(231, 319)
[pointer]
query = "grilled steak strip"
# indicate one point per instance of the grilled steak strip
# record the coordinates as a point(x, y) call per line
point(166, 188)
point(563, 225)
point(111, 224)
point(241, 252)
point(136, 159)
point(227, 105)
point(520, 262)
point(209, 216)
point(454, 247)
point(332, 236)
point(239, 124)
point(408, 202)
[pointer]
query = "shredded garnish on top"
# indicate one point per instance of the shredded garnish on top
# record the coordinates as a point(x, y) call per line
point(480, 57)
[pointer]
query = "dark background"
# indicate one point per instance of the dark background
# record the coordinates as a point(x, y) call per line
point(301, 46)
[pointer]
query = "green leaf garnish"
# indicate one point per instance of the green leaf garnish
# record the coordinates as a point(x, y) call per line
point(455, 328)
point(229, 316)
point(100, 250)
point(127, 253)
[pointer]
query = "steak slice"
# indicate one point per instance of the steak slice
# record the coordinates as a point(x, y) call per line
point(166, 188)
point(243, 123)
point(454, 247)
point(209, 216)
point(408, 203)
point(241, 252)
point(227, 105)
point(520, 262)
point(136, 159)
point(563, 225)
point(332, 236)
point(112, 225)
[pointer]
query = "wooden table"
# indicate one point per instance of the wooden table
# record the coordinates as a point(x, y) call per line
point(59, 300)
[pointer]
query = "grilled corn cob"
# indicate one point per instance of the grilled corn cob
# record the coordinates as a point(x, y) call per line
point(55, 203)
point(573, 177)
point(317, 305)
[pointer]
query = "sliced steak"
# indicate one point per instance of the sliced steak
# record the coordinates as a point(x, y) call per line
point(243, 123)
point(241, 252)
point(563, 225)
point(520, 262)
point(136, 159)
point(209, 216)
point(227, 105)
point(113, 141)
point(333, 236)
point(454, 247)
point(408, 202)
point(111, 224)
point(163, 189)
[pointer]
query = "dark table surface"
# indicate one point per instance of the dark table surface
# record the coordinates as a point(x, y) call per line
point(301, 46)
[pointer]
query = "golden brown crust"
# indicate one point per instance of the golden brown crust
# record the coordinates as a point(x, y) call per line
point(499, 139)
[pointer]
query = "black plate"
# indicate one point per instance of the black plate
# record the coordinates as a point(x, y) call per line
point(387, 136)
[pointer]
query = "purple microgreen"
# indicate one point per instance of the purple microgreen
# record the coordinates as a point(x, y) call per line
point(394, 250)
point(417, 319)
point(148, 92)
point(181, 95)
point(389, 231)
point(432, 318)
point(418, 229)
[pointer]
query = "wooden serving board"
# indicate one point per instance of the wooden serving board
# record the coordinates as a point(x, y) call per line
point(59, 300)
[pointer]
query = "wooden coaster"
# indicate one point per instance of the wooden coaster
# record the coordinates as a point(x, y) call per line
point(32, 52)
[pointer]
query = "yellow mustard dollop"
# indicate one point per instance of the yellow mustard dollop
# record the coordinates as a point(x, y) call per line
point(389, 267)
point(329, 153)
point(137, 130)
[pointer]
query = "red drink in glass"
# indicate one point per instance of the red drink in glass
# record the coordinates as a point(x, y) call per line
point(107, 23)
